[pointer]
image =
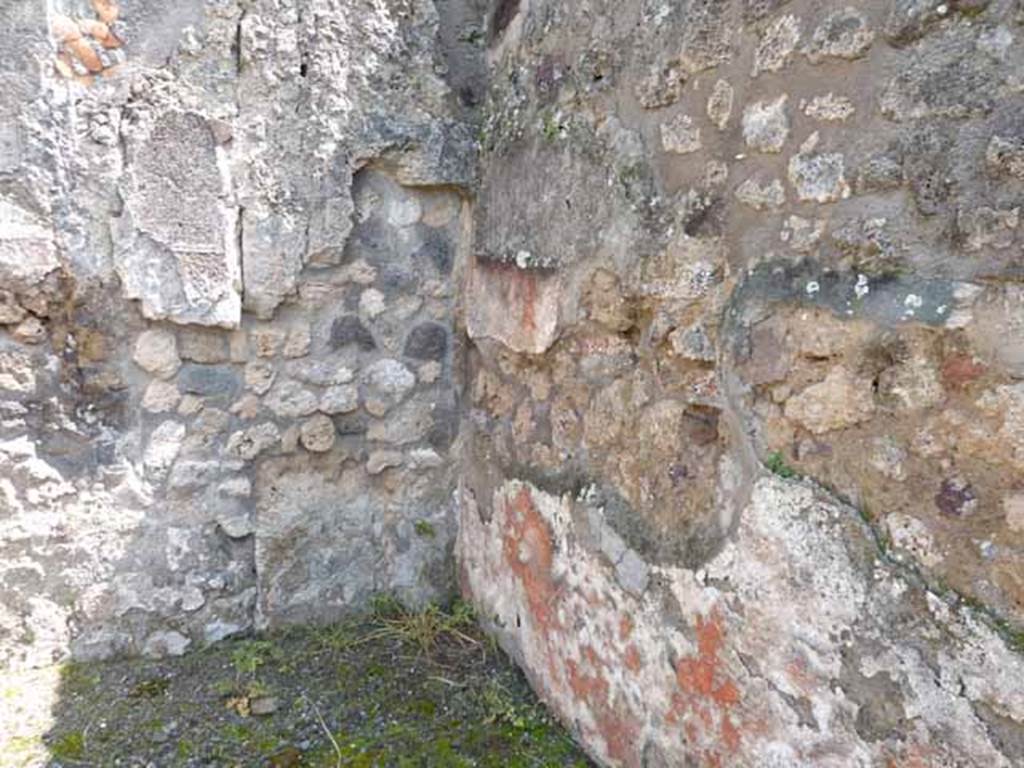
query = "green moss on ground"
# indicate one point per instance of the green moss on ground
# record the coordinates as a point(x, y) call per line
point(390, 688)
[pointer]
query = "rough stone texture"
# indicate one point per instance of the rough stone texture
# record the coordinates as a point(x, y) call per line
point(218, 218)
point(702, 322)
point(824, 286)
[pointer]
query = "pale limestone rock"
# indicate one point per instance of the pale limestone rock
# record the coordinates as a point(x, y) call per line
point(841, 400)
point(716, 173)
point(386, 384)
point(719, 106)
point(766, 125)
point(360, 272)
point(343, 398)
point(408, 423)
point(425, 458)
point(30, 331)
point(156, 352)
point(912, 535)
point(10, 311)
point(372, 303)
point(818, 177)
point(429, 372)
point(161, 397)
point(803, 235)
point(27, 249)
point(382, 460)
point(239, 487)
point(1004, 156)
point(986, 227)
point(913, 385)
point(761, 196)
point(246, 408)
point(249, 443)
point(267, 341)
point(680, 136)
point(776, 46)
point(298, 341)
point(829, 108)
point(317, 434)
point(163, 447)
point(237, 525)
point(290, 400)
point(165, 643)
point(259, 376)
point(888, 458)
point(320, 372)
point(190, 405)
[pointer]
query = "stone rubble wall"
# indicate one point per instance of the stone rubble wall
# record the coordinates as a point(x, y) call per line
point(742, 479)
point(230, 234)
point(691, 331)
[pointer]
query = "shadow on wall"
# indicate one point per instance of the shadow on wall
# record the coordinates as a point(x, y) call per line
point(502, 15)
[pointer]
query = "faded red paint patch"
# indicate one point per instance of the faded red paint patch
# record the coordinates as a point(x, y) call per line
point(519, 288)
point(960, 370)
point(914, 756)
point(632, 658)
point(529, 554)
point(796, 672)
point(518, 307)
point(707, 695)
point(578, 675)
point(625, 627)
point(698, 675)
point(618, 728)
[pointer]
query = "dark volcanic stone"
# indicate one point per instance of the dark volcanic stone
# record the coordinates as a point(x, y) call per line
point(438, 250)
point(427, 341)
point(349, 329)
point(208, 380)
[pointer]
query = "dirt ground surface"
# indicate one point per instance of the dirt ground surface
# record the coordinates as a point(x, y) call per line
point(391, 688)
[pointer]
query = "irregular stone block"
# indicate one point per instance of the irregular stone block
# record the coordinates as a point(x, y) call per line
point(837, 402)
point(776, 46)
point(427, 341)
point(844, 34)
point(818, 177)
point(317, 434)
point(340, 399)
point(761, 196)
point(156, 352)
point(680, 136)
point(766, 125)
point(516, 307)
point(290, 400)
point(209, 381)
point(719, 106)
point(386, 383)
point(27, 249)
point(316, 557)
point(180, 261)
point(202, 346)
point(349, 329)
